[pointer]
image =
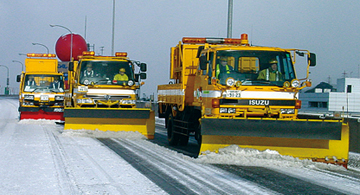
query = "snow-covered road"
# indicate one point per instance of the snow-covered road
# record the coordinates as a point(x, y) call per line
point(37, 157)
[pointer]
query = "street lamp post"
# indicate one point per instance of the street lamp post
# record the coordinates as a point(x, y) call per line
point(7, 81)
point(22, 65)
point(71, 39)
point(113, 29)
point(230, 13)
point(42, 45)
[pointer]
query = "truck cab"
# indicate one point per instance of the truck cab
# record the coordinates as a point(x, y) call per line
point(262, 80)
point(102, 95)
point(105, 81)
point(42, 90)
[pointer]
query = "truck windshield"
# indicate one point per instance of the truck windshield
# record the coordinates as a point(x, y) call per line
point(106, 72)
point(43, 83)
point(254, 67)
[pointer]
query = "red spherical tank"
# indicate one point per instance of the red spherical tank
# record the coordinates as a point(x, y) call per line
point(63, 46)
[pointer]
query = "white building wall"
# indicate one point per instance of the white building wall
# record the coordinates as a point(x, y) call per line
point(337, 101)
point(344, 82)
point(342, 101)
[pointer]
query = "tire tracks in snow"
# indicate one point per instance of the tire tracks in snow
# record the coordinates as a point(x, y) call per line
point(65, 179)
point(279, 182)
point(179, 174)
point(75, 184)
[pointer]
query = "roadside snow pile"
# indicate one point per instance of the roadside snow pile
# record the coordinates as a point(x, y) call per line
point(354, 160)
point(132, 135)
point(235, 155)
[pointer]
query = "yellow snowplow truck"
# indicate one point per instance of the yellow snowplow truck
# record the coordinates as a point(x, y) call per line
point(41, 94)
point(102, 95)
point(227, 92)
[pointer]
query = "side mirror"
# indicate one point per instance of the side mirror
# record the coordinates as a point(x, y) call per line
point(136, 77)
point(143, 67)
point(18, 78)
point(312, 59)
point(142, 75)
point(71, 66)
point(203, 62)
point(199, 51)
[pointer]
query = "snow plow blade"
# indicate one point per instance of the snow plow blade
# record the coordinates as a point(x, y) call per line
point(141, 120)
point(319, 140)
point(41, 114)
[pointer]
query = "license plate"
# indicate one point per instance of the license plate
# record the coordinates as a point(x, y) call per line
point(44, 98)
point(233, 93)
point(82, 88)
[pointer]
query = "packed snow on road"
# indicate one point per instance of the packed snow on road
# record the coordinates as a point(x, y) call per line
point(38, 157)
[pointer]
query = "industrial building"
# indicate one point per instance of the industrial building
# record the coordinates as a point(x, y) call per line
point(345, 97)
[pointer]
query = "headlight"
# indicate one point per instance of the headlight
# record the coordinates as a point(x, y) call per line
point(295, 83)
point(28, 97)
point(227, 110)
point(238, 83)
point(223, 110)
point(287, 111)
point(58, 110)
point(59, 98)
point(84, 101)
point(86, 82)
point(231, 110)
point(130, 83)
point(286, 84)
point(128, 101)
point(230, 81)
point(28, 103)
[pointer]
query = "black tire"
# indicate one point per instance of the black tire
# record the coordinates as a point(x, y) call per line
point(198, 135)
point(173, 138)
point(184, 140)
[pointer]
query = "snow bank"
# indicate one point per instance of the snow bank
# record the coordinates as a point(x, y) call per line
point(235, 155)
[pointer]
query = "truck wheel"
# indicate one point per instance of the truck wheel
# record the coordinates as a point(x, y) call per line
point(183, 140)
point(198, 135)
point(173, 138)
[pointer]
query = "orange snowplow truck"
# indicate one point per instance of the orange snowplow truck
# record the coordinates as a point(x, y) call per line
point(227, 92)
point(102, 95)
point(41, 94)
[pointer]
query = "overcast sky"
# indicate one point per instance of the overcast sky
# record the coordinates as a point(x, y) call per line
point(147, 29)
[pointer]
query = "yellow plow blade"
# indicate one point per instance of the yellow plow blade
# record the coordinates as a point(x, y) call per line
point(141, 120)
point(319, 140)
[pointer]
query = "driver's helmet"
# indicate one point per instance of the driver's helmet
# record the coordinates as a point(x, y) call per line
point(273, 62)
point(122, 70)
point(223, 58)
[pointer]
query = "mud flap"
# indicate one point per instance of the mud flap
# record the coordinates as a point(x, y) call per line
point(305, 139)
point(111, 119)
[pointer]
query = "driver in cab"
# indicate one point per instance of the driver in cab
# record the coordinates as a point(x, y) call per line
point(121, 78)
point(272, 73)
point(223, 67)
point(89, 72)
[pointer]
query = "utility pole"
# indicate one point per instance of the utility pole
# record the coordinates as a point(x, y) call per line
point(229, 26)
point(113, 30)
point(344, 74)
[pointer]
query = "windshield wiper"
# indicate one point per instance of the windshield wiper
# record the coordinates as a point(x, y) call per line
point(267, 82)
point(54, 90)
point(102, 80)
point(38, 88)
